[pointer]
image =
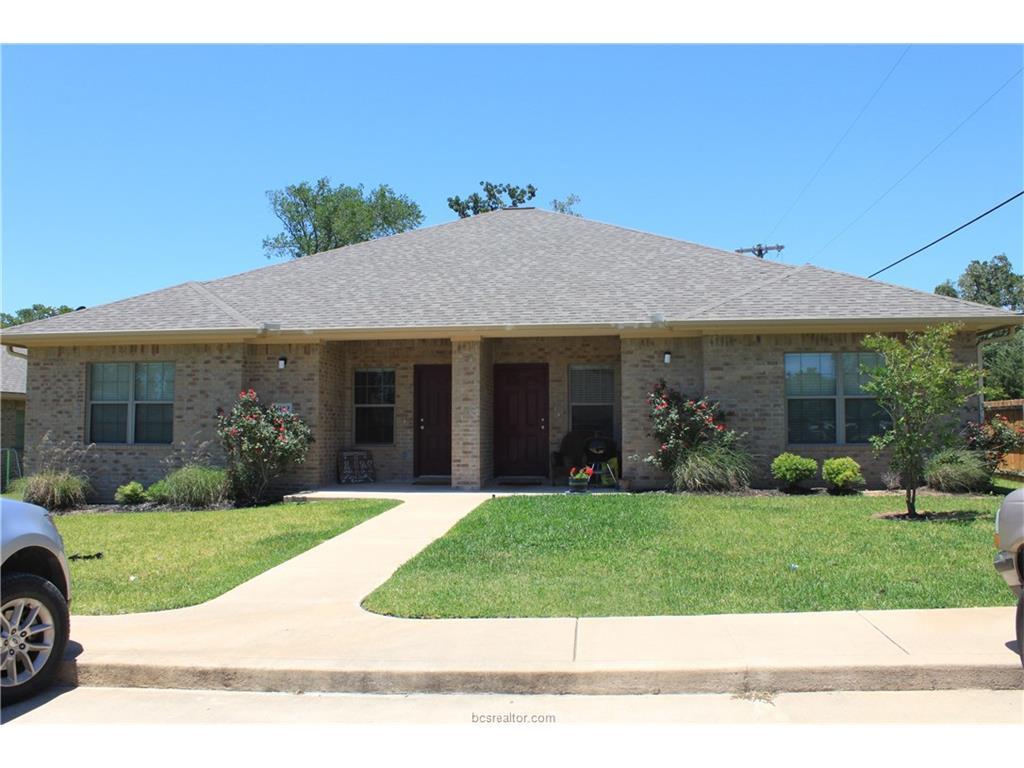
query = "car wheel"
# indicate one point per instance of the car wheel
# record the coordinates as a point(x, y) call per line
point(34, 629)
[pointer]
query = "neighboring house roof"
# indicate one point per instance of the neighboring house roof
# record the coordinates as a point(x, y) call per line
point(508, 269)
point(13, 373)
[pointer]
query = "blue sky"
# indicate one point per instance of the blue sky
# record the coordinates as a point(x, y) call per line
point(127, 169)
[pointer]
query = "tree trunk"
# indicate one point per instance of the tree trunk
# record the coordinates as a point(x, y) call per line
point(912, 502)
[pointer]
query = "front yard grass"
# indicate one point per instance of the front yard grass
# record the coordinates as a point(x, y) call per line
point(158, 560)
point(657, 554)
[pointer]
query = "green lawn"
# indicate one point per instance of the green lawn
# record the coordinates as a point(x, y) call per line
point(657, 554)
point(157, 560)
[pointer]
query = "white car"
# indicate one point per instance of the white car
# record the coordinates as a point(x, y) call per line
point(1009, 560)
point(35, 590)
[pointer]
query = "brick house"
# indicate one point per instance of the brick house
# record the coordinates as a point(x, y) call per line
point(13, 370)
point(468, 350)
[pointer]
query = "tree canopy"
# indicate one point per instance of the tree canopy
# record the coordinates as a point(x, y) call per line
point(988, 282)
point(318, 217)
point(495, 197)
point(28, 314)
point(568, 205)
point(994, 282)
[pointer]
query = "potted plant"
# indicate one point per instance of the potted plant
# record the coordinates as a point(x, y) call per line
point(579, 479)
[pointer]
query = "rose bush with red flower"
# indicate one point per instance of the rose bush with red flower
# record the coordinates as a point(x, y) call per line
point(994, 439)
point(681, 424)
point(260, 444)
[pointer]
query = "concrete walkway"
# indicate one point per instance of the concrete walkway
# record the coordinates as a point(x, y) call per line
point(299, 627)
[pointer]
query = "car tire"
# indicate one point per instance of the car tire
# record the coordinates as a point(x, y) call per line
point(23, 593)
point(1020, 628)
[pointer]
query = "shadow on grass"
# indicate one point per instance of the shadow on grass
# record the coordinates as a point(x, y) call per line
point(961, 516)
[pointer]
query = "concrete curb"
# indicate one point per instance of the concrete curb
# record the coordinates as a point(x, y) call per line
point(592, 682)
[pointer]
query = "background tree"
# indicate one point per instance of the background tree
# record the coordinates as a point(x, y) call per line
point(495, 197)
point(922, 389)
point(318, 217)
point(994, 282)
point(28, 314)
point(988, 282)
point(568, 205)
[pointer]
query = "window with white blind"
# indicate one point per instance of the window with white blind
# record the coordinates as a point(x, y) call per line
point(131, 402)
point(592, 399)
point(825, 399)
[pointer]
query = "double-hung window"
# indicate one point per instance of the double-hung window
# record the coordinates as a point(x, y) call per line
point(131, 402)
point(375, 407)
point(825, 399)
point(592, 399)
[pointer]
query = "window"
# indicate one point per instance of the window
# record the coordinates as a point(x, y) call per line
point(375, 407)
point(821, 396)
point(131, 402)
point(592, 399)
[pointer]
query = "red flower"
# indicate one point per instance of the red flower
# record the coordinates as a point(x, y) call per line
point(720, 427)
point(589, 471)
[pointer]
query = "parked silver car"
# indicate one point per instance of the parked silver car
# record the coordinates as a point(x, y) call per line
point(1009, 560)
point(34, 594)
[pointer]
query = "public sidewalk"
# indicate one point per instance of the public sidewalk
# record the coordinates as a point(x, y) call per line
point(299, 627)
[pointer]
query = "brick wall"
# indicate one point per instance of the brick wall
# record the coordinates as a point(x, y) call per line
point(10, 408)
point(643, 364)
point(206, 376)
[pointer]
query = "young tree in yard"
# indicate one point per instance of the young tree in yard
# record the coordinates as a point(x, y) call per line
point(923, 389)
point(495, 197)
point(260, 443)
point(318, 217)
point(28, 314)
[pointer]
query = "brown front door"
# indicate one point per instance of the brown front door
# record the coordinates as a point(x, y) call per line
point(521, 419)
point(433, 419)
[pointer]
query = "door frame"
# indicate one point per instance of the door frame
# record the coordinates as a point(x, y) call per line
point(416, 449)
point(495, 435)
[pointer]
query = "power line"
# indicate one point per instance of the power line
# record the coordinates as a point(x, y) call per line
point(962, 226)
point(841, 140)
point(914, 167)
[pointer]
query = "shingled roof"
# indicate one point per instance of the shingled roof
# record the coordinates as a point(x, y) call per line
point(13, 372)
point(511, 269)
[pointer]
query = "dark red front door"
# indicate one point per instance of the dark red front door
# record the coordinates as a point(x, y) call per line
point(521, 419)
point(433, 419)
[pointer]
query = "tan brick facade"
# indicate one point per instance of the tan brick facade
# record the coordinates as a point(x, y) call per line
point(745, 373)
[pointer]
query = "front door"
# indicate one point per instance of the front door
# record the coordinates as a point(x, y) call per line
point(433, 419)
point(521, 419)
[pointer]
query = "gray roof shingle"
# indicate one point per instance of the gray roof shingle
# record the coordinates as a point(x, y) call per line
point(522, 267)
point(13, 372)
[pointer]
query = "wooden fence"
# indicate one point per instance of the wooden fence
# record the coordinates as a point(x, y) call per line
point(1013, 410)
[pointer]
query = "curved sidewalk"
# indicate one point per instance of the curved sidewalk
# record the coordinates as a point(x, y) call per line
point(300, 627)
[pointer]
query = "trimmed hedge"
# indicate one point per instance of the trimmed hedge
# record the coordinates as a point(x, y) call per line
point(791, 470)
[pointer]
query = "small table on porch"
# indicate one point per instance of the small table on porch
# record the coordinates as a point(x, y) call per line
point(355, 466)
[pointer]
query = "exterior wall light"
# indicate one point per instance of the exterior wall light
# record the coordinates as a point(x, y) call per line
point(668, 358)
point(282, 361)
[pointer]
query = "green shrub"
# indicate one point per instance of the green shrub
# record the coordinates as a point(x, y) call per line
point(843, 473)
point(130, 493)
point(195, 487)
point(260, 444)
point(16, 489)
point(957, 470)
point(56, 490)
point(790, 469)
point(713, 466)
point(157, 492)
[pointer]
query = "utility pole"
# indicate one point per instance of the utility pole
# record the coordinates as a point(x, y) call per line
point(760, 250)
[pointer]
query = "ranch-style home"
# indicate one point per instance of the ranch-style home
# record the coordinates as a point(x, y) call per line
point(467, 351)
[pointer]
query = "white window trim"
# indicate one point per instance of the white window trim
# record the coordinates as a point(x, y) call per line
point(572, 404)
point(131, 402)
point(356, 406)
point(839, 397)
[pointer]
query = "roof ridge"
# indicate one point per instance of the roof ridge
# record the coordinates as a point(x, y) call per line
point(759, 286)
point(209, 295)
point(634, 230)
point(907, 288)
